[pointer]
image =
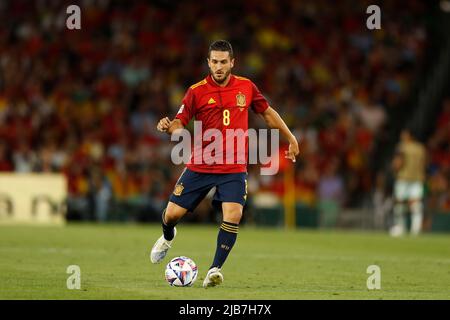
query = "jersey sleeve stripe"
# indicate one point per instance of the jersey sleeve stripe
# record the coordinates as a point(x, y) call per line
point(242, 78)
point(198, 84)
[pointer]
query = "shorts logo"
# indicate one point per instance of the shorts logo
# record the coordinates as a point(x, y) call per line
point(178, 189)
point(240, 101)
point(211, 101)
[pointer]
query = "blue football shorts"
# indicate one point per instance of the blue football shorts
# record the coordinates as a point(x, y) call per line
point(192, 187)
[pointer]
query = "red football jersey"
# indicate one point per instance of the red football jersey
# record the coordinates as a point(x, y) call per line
point(225, 109)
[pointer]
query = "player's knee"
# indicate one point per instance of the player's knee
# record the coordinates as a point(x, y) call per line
point(232, 216)
point(170, 217)
point(173, 213)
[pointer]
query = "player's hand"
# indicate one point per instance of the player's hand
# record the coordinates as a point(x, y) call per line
point(164, 124)
point(293, 150)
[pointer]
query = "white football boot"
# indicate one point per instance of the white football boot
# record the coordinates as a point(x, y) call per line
point(160, 248)
point(213, 278)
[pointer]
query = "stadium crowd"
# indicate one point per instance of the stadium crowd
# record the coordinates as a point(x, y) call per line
point(439, 163)
point(86, 102)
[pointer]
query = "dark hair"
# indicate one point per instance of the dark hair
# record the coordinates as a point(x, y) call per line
point(221, 45)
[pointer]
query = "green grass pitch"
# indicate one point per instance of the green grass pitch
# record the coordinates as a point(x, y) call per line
point(264, 264)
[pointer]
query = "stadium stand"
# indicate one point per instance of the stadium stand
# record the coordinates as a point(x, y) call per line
point(87, 103)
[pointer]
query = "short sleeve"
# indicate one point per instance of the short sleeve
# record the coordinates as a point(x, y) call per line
point(186, 111)
point(259, 102)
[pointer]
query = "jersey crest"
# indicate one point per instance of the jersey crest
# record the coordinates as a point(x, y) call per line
point(240, 101)
point(178, 189)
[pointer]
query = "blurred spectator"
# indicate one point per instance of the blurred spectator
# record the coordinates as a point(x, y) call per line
point(24, 158)
point(100, 195)
point(439, 163)
point(5, 163)
point(382, 202)
point(331, 194)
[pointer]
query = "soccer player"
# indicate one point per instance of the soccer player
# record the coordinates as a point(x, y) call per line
point(220, 101)
point(409, 165)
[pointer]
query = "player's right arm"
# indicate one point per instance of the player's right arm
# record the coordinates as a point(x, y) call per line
point(165, 125)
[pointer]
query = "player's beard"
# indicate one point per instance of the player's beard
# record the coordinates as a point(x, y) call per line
point(222, 80)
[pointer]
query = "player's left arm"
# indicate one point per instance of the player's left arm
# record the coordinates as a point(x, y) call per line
point(274, 121)
point(397, 162)
point(399, 159)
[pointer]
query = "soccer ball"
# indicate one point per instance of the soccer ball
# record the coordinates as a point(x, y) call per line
point(181, 272)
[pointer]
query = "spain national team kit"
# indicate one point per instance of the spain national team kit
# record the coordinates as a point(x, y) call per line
point(223, 108)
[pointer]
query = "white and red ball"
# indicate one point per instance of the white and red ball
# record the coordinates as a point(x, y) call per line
point(181, 272)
